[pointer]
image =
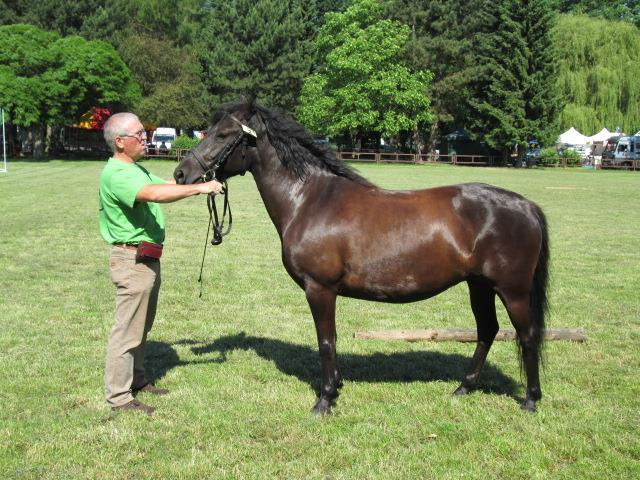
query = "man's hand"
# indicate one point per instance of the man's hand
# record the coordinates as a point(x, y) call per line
point(211, 187)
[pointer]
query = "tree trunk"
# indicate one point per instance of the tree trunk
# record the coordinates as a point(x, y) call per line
point(37, 137)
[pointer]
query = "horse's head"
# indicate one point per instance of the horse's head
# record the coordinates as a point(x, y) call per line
point(227, 149)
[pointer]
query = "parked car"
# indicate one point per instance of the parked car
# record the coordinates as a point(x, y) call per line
point(531, 158)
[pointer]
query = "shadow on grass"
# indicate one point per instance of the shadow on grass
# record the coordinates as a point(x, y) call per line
point(303, 362)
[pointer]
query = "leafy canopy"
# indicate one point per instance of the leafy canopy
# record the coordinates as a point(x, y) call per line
point(362, 84)
point(51, 80)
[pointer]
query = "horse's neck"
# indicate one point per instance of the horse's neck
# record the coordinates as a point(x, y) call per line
point(281, 190)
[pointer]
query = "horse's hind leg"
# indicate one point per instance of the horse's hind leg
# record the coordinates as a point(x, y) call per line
point(484, 309)
point(529, 338)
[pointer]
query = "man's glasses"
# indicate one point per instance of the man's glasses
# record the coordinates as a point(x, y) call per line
point(139, 135)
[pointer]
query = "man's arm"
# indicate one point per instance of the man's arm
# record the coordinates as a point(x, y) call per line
point(167, 193)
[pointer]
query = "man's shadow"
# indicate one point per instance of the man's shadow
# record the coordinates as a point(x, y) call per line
point(303, 362)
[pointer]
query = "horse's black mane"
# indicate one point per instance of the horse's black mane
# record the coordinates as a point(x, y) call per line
point(295, 146)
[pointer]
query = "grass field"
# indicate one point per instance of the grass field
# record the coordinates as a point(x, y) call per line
point(242, 362)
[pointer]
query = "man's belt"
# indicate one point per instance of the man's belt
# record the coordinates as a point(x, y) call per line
point(144, 250)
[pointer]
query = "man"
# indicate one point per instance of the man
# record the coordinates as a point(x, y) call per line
point(132, 222)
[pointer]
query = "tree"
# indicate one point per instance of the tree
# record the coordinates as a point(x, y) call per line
point(543, 101)
point(599, 73)
point(493, 69)
point(626, 10)
point(257, 47)
point(170, 78)
point(441, 42)
point(497, 103)
point(48, 80)
point(63, 16)
point(362, 85)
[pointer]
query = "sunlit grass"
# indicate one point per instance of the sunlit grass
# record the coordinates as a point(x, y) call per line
point(242, 363)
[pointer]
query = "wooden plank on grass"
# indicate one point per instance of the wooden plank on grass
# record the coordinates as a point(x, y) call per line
point(465, 335)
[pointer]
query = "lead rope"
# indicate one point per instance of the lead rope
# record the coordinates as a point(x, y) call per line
point(218, 227)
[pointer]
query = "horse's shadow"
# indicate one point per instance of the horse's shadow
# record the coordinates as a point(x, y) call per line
point(303, 362)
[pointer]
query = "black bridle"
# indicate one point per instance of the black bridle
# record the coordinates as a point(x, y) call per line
point(208, 174)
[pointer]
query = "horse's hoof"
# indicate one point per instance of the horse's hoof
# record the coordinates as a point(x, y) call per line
point(462, 390)
point(322, 407)
point(528, 405)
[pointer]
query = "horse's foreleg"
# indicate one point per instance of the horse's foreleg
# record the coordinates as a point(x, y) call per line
point(323, 307)
point(484, 309)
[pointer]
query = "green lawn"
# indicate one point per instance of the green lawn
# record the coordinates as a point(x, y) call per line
point(242, 363)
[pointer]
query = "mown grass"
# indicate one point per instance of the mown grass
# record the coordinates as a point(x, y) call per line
point(242, 363)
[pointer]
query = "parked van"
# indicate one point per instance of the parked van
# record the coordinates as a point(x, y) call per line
point(627, 149)
point(162, 135)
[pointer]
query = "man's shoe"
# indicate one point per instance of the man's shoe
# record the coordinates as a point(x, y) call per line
point(136, 405)
point(152, 389)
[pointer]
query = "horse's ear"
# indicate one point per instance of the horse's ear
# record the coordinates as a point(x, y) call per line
point(251, 103)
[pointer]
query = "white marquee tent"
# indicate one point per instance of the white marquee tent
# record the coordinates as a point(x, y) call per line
point(572, 137)
point(602, 136)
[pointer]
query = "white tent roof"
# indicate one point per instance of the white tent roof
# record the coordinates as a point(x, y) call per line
point(573, 137)
point(602, 136)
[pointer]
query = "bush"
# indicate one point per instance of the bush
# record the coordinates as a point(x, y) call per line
point(573, 157)
point(184, 142)
point(549, 156)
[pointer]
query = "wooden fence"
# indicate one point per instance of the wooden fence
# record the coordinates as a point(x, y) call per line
point(429, 158)
point(385, 157)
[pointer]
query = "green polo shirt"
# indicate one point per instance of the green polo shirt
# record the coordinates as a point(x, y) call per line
point(122, 218)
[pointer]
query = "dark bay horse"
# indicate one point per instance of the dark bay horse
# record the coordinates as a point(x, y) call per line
point(342, 235)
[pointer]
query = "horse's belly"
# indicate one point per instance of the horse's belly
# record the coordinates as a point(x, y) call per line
point(399, 289)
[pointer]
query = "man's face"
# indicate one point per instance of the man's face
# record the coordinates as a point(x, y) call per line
point(133, 142)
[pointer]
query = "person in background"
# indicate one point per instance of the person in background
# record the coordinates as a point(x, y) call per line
point(131, 221)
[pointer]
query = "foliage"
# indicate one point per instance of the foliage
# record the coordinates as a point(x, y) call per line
point(184, 142)
point(513, 97)
point(572, 156)
point(627, 10)
point(549, 156)
point(493, 70)
point(256, 48)
point(543, 102)
point(599, 75)
point(362, 85)
point(242, 361)
point(65, 17)
point(440, 41)
point(497, 102)
point(171, 82)
point(46, 79)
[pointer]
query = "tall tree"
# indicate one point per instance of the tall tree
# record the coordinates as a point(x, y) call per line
point(599, 73)
point(494, 69)
point(257, 47)
point(362, 85)
point(543, 101)
point(497, 112)
point(441, 41)
point(48, 80)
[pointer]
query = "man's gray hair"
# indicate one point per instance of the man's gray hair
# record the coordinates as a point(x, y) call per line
point(117, 124)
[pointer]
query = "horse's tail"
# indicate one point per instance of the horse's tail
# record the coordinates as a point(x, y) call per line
point(538, 298)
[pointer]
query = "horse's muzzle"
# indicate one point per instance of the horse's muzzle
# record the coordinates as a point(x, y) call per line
point(178, 175)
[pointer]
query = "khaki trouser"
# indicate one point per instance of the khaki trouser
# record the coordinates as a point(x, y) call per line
point(137, 285)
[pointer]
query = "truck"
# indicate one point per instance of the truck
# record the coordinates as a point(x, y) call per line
point(622, 152)
point(161, 140)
